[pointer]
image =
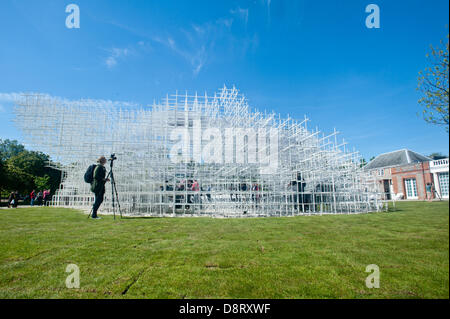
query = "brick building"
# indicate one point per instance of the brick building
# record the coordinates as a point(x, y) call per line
point(404, 174)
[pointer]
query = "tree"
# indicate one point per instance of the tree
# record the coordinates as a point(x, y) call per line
point(17, 179)
point(10, 148)
point(433, 85)
point(24, 170)
point(33, 163)
point(2, 174)
point(437, 156)
point(42, 182)
point(362, 162)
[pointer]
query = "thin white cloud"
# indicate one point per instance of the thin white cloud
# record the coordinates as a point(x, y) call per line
point(198, 60)
point(198, 29)
point(241, 13)
point(268, 9)
point(196, 57)
point(115, 54)
point(267, 4)
point(110, 62)
point(197, 45)
point(171, 43)
point(226, 22)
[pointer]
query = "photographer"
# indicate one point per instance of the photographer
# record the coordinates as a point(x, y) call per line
point(98, 185)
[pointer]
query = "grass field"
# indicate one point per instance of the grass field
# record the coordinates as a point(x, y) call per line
point(297, 257)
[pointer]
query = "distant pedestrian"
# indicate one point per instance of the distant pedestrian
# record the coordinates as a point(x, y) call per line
point(429, 190)
point(32, 197)
point(196, 188)
point(39, 198)
point(46, 196)
point(12, 200)
point(255, 195)
point(208, 194)
point(190, 197)
point(16, 201)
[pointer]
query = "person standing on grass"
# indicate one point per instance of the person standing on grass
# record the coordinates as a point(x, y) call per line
point(39, 198)
point(98, 185)
point(12, 199)
point(196, 189)
point(16, 199)
point(428, 188)
point(32, 197)
point(46, 196)
point(208, 194)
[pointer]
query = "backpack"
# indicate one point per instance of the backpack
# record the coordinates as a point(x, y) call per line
point(89, 175)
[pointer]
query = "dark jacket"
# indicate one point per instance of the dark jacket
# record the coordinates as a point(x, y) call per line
point(11, 197)
point(98, 184)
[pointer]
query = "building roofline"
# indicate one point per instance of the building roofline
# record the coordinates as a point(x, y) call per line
point(408, 159)
point(402, 149)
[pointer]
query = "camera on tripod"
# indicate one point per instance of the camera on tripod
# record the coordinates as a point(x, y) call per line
point(114, 195)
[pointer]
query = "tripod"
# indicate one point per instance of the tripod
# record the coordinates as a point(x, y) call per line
point(114, 195)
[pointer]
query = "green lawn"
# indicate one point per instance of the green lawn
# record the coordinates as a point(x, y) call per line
point(296, 257)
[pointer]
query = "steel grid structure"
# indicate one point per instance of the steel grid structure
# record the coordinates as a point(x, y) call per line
point(196, 156)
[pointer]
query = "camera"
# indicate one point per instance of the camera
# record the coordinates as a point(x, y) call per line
point(112, 157)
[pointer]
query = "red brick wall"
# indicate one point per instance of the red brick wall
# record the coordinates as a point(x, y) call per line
point(420, 171)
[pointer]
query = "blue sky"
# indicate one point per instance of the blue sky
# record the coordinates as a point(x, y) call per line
point(294, 57)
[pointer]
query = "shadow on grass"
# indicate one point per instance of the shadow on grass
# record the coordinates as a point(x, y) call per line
point(394, 210)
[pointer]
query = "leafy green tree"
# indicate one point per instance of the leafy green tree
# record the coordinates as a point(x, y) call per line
point(3, 175)
point(433, 85)
point(24, 170)
point(437, 156)
point(42, 183)
point(17, 179)
point(362, 162)
point(33, 163)
point(10, 148)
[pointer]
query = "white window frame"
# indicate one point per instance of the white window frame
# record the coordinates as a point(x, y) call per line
point(440, 180)
point(414, 194)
